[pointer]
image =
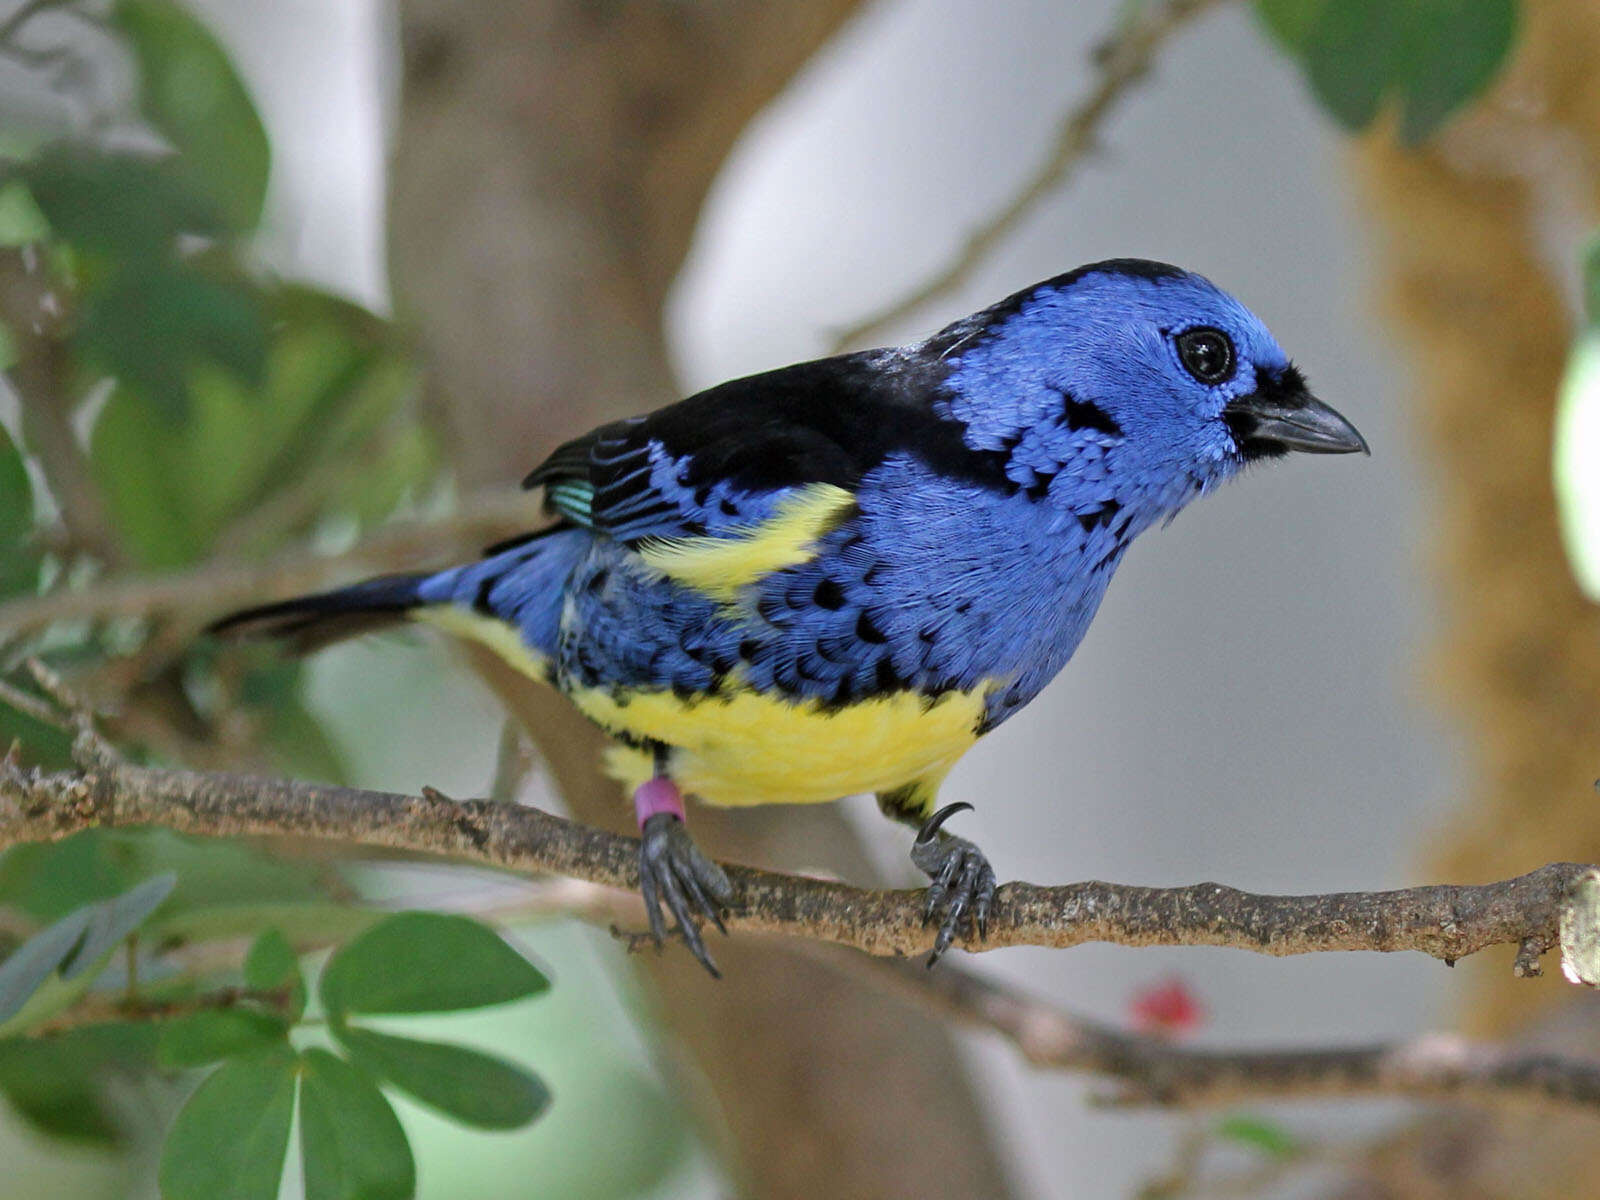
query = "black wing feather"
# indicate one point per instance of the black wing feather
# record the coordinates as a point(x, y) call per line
point(829, 421)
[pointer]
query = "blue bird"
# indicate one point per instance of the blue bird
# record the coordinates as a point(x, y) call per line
point(835, 577)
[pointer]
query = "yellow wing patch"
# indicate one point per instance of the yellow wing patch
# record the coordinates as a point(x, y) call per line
point(743, 747)
point(720, 566)
point(500, 636)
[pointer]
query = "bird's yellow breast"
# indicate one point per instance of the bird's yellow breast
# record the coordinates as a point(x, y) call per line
point(743, 747)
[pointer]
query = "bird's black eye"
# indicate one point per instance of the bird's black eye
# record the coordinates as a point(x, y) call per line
point(1207, 354)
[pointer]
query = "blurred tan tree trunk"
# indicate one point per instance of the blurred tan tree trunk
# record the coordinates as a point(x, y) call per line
point(550, 164)
point(1474, 281)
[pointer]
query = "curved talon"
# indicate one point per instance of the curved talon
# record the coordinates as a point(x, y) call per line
point(931, 826)
point(675, 874)
point(961, 885)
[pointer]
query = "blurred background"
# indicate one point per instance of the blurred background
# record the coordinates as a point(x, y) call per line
point(292, 292)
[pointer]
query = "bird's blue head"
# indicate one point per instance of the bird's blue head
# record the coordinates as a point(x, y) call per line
point(1128, 381)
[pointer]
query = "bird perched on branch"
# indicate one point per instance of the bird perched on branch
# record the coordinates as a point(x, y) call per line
point(835, 577)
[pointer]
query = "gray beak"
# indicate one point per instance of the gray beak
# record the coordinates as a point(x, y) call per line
point(1281, 415)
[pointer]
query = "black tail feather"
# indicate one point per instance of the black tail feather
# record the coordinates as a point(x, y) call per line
point(308, 623)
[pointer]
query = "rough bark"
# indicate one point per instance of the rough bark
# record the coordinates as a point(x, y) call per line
point(1146, 1066)
point(550, 165)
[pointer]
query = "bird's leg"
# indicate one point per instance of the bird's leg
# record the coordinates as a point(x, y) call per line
point(673, 871)
point(962, 881)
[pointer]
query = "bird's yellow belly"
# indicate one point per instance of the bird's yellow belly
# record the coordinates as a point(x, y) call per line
point(742, 747)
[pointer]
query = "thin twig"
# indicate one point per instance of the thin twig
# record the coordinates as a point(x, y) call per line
point(1152, 1070)
point(98, 1010)
point(24, 13)
point(33, 309)
point(1122, 60)
point(32, 706)
point(1447, 921)
point(208, 591)
point(90, 750)
point(512, 764)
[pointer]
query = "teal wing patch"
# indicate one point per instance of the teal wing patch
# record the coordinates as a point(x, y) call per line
point(572, 499)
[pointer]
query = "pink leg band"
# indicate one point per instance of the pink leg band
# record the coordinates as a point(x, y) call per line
point(658, 795)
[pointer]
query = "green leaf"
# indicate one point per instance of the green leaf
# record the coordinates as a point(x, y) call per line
point(75, 945)
point(58, 1084)
point(1353, 53)
point(405, 464)
point(1591, 282)
point(1432, 55)
point(42, 745)
point(21, 222)
point(353, 1146)
point(113, 920)
point(1577, 461)
point(153, 326)
point(474, 1088)
point(272, 963)
point(1258, 1134)
point(16, 495)
point(191, 93)
point(48, 880)
point(228, 1142)
point(300, 744)
point(331, 372)
point(36, 960)
point(19, 567)
point(1290, 21)
point(419, 962)
point(123, 206)
point(195, 1039)
point(1455, 48)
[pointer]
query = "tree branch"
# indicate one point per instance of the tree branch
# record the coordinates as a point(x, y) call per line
point(1446, 921)
point(1152, 1070)
point(1123, 60)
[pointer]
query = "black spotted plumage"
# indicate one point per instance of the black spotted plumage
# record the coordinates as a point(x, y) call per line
point(828, 422)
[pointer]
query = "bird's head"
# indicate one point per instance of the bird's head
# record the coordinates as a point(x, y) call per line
point(1138, 374)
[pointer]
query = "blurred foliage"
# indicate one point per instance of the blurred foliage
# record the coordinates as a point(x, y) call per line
point(1577, 438)
point(1429, 57)
point(326, 386)
point(1258, 1134)
point(223, 406)
point(19, 565)
point(191, 93)
point(222, 410)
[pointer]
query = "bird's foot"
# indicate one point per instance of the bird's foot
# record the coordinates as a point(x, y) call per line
point(963, 881)
point(674, 872)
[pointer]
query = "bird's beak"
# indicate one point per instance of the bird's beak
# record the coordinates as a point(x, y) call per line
point(1281, 415)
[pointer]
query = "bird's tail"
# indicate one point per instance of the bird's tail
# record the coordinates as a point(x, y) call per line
point(511, 599)
point(307, 623)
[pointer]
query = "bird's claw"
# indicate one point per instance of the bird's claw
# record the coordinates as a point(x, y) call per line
point(963, 883)
point(673, 871)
